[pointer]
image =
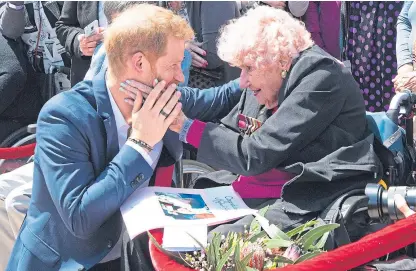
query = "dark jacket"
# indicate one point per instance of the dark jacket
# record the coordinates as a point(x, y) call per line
point(20, 99)
point(75, 16)
point(207, 26)
point(319, 133)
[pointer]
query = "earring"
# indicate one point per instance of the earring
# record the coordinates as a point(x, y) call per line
point(284, 74)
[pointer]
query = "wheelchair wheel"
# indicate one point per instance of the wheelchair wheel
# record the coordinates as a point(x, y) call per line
point(18, 138)
point(192, 169)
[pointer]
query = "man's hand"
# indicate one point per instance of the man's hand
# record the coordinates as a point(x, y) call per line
point(151, 120)
point(87, 44)
point(405, 81)
point(134, 89)
point(402, 205)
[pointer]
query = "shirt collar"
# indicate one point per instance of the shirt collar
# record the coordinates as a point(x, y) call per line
point(120, 121)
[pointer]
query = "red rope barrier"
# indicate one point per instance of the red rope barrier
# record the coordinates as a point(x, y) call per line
point(365, 250)
point(17, 152)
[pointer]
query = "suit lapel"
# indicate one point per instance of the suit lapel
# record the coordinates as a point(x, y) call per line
point(106, 112)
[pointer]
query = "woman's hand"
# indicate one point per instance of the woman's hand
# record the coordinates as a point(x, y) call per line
point(405, 81)
point(401, 204)
point(132, 88)
point(151, 119)
point(177, 124)
point(197, 52)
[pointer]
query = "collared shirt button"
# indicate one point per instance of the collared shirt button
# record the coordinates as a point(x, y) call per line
point(110, 244)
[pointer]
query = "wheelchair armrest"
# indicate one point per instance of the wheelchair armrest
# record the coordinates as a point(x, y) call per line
point(31, 128)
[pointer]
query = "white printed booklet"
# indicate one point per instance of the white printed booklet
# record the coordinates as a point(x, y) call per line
point(159, 207)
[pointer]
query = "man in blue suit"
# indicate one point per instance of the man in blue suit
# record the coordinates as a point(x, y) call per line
point(85, 168)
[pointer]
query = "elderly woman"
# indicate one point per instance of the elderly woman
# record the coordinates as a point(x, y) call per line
point(297, 139)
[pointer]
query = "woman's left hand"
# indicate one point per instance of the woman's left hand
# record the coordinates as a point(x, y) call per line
point(177, 124)
point(405, 81)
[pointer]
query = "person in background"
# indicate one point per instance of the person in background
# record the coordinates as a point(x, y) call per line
point(208, 69)
point(405, 48)
point(179, 8)
point(20, 103)
point(35, 22)
point(370, 35)
point(75, 16)
point(322, 20)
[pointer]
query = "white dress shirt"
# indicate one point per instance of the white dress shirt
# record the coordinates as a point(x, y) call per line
point(151, 158)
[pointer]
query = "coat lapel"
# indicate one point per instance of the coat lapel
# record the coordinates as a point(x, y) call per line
point(106, 112)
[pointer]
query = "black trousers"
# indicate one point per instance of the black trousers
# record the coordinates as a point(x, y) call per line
point(135, 254)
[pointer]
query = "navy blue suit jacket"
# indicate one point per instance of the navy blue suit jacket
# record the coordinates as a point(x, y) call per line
point(81, 178)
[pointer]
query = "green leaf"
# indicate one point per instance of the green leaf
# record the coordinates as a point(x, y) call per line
point(247, 258)
point(307, 256)
point(237, 253)
point(276, 243)
point(224, 259)
point(281, 259)
point(278, 233)
point(301, 228)
point(257, 236)
point(322, 241)
point(156, 244)
point(311, 236)
point(255, 226)
point(216, 241)
point(248, 268)
point(272, 230)
point(196, 241)
point(239, 266)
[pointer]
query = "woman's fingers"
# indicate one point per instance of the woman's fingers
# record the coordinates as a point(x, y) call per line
point(138, 102)
point(198, 60)
point(194, 47)
point(133, 84)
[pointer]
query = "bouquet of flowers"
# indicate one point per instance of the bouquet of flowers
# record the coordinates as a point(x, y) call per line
point(262, 246)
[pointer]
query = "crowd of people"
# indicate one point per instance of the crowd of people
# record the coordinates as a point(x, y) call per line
point(272, 93)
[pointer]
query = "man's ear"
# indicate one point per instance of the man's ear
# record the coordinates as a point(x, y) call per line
point(137, 61)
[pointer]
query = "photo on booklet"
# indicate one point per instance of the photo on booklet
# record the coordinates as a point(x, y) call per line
point(184, 206)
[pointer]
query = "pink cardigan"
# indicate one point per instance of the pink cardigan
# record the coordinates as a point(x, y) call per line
point(266, 185)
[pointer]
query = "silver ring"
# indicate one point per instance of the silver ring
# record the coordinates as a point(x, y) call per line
point(163, 113)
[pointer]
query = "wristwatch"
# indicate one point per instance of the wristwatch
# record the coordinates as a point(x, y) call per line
point(15, 7)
